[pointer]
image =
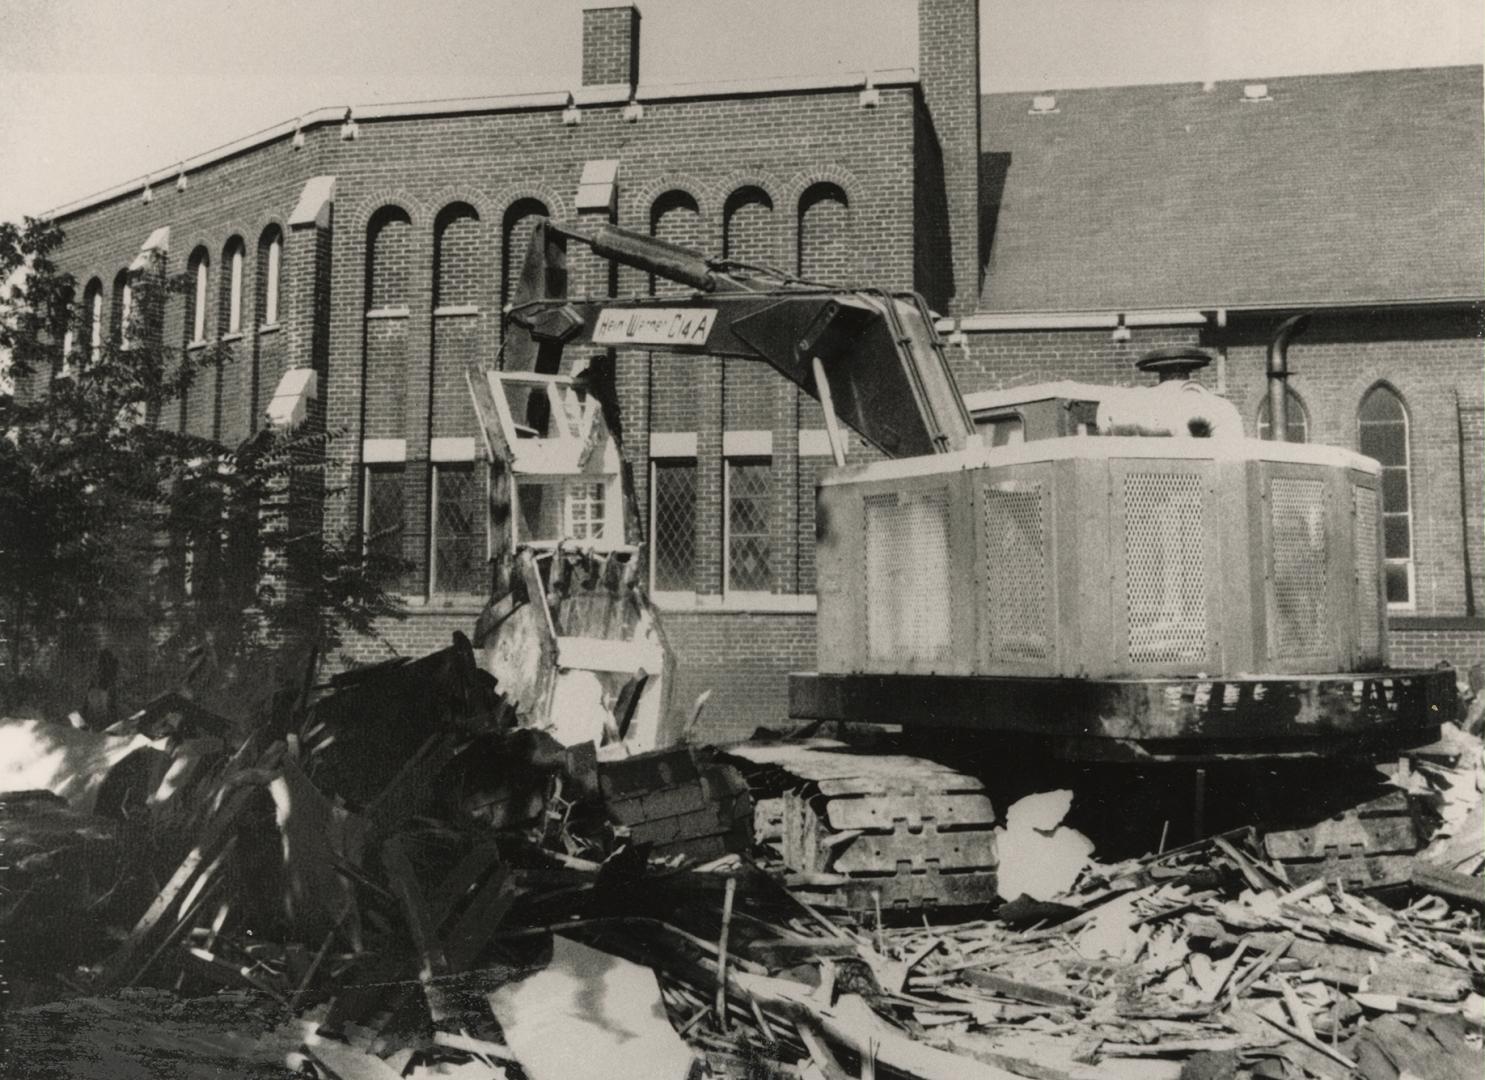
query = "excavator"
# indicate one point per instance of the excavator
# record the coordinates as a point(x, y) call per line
point(1088, 575)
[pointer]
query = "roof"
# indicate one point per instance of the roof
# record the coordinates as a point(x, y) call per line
point(1339, 189)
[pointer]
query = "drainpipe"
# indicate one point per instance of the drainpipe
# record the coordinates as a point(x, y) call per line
point(1278, 374)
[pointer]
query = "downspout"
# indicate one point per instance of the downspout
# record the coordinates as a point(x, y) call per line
point(1278, 375)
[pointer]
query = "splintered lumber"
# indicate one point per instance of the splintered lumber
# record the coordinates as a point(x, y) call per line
point(721, 1004)
point(820, 1053)
point(431, 959)
point(347, 1063)
point(463, 877)
point(1458, 887)
point(121, 963)
point(483, 1047)
point(851, 1022)
point(412, 788)
point(1023, 991)
point(481, 920)
point(1309, 1041)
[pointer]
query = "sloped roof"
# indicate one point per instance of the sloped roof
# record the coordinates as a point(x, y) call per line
point(1351, 188)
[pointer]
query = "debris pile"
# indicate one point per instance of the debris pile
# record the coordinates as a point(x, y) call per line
point(391, 879)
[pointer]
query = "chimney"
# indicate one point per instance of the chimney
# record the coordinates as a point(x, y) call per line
point(948, 260)
point(611, 46)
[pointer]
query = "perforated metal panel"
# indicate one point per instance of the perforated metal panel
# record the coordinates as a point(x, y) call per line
point(907, 576)
point(1166, 576)
point(1298, 619)
point(1016, 572)
point(1364, 524)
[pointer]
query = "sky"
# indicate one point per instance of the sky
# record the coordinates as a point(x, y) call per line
point(97, 92)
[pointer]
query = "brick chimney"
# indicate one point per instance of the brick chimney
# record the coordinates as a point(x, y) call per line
point(947, 264)
point(611, 46)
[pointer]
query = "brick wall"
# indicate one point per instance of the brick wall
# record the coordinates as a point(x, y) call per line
point(611, 45)
point(1462, 646)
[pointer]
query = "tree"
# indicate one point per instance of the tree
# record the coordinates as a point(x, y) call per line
point(113, 527)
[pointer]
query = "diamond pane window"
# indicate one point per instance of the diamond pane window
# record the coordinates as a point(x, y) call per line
point(458, 530)
point(674, 525)
point(1384, 436)
point(383, 525)
point(747, 525)
point(585, 510)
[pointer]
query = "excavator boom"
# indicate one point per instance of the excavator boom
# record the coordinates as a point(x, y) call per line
point(871, 357)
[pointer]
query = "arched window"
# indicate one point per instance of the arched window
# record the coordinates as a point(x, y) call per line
point(456, 250)
point(1296, 418)
point(515, 235)
point(196, 302)
point(1384, 435)
point(270, 256)
point(824, 233)
point(674, 216)
point(123, 308)
point(388, 258)
point(93, 313)
point(231, 314)
point(747, 232)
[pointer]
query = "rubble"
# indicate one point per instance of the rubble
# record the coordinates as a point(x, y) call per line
point(396, 882)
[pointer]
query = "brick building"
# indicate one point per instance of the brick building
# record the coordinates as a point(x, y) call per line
point(377, 247)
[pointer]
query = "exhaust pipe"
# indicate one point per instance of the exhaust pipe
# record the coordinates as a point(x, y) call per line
point(1278, 374)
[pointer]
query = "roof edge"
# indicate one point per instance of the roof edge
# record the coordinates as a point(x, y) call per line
point(1105, 318)
point(616, 94)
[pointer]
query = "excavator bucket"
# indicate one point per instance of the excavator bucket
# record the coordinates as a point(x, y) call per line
point(577, 648)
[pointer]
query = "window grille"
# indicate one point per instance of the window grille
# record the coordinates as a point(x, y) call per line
point(673, 535)
point(747, 525)
point(459, 553)
point(585, 510)
point(384, 522)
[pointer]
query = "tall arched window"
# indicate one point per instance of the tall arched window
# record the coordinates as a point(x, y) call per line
point(196, 315)
point(123, 308)
point(93, 312)
point(515, 235)
point(747, 226)
point(674, 216)
point(1296, 418)
point(1384, 435)
point(231, 318)
point(270, 256)
point(824, 233)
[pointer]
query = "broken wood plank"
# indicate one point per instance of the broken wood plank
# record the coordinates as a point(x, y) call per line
point(820, 1053)
point(465, 875)
point(483, 1047)
point(347, 1063)
point(399, 871)
point(1299, 1016)
point(1461, 888)
point(1314, 1044)
point(124, 957)
point(481, 920)
point(410, 791)
point(1024, 991)
point(721, 1003)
